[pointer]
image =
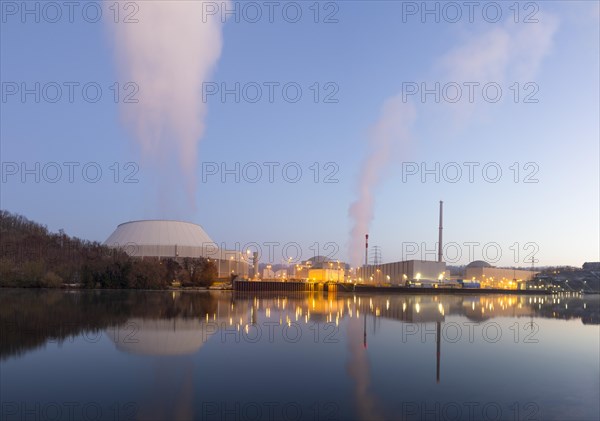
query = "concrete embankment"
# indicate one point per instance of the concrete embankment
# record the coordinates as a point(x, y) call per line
point(278, 286)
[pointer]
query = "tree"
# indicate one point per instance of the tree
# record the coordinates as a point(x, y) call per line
point(198, 272)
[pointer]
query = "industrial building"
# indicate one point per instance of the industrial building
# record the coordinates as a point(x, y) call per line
point(320, 269)
point(408, 272)
point(492, 277)
point(403, 273)
point(164, 239)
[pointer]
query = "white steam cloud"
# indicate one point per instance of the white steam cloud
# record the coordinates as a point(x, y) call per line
point(391, 130)
point(169, 53)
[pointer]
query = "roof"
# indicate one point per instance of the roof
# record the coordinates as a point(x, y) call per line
point(319, 259)
point(159, 232)
point(479, 264)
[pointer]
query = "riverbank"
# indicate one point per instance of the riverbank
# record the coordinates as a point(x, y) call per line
point(471, 291)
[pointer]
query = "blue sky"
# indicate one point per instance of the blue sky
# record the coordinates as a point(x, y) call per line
point(364, 60)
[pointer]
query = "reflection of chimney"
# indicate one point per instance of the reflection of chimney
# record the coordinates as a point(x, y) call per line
point(438, 334)
point(440, 238)
point(365, 331)
point(366, 248)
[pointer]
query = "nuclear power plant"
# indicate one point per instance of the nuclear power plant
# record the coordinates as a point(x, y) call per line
point(407, 272)
point(165, 239)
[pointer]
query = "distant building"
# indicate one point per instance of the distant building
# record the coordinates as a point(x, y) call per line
point(593, 266)
point(493, 277)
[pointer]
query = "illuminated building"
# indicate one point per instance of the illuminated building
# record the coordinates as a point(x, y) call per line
point(493, 277)
point(320, 269)
point(326, 275)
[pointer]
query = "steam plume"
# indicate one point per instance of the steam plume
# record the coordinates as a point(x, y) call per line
point(392, 129)
point(510, 51)
point(168, 53)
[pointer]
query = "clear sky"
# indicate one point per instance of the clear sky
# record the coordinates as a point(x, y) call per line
point(360, 120)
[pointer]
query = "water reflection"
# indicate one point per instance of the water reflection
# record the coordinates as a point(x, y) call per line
point(172, 323)
point(386, 354)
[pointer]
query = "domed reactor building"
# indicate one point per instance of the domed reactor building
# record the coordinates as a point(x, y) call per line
point(177, 240)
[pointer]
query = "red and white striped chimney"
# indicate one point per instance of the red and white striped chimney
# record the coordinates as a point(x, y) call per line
point(366, 248)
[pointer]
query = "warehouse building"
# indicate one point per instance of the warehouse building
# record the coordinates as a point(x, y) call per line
point(402, 273)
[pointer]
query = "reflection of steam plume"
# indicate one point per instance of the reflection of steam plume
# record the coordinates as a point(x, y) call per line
point(171, 394)
point(391, 129)
point(168, 53)
point(358, 368)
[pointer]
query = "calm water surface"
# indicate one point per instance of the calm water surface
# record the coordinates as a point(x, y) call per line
point(218, 355)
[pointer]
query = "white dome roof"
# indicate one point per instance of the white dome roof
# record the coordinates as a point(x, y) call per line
point(159, 232)
point(161, 238)
point(479, 264)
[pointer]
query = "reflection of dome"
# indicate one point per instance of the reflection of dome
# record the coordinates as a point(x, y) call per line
point(159, 336)
point(479, 264)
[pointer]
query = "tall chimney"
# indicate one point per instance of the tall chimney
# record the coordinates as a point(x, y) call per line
point(366, 248)
point(440, 247)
